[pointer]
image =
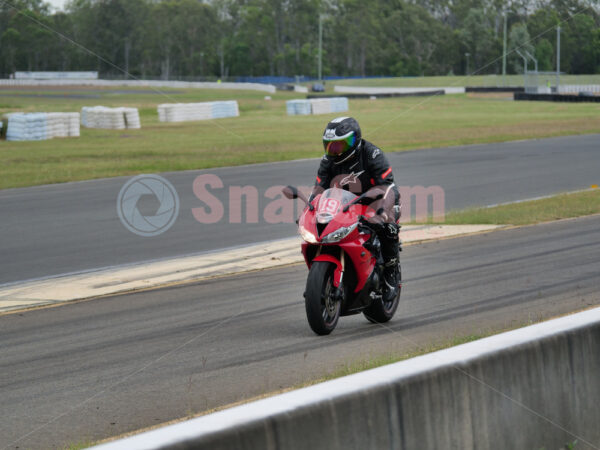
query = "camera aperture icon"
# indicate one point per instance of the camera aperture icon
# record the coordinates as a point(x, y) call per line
point(129, 211)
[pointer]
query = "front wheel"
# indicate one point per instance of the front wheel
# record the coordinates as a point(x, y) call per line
point(322, 306)
point(380, 311)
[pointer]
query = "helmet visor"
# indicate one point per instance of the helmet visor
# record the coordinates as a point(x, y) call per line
point(335, 147)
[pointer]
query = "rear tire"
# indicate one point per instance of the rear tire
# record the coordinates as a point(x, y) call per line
point(322, 309)
point(380, 312)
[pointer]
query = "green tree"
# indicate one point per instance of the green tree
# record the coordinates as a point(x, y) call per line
point(159, 56)
point(112, 29)
point(418, 44)
point(519, 40)
point(192, 38)
point(193, 29)
point(10, 42)
point(477, 38)
point(544, 53)
point(581, 44)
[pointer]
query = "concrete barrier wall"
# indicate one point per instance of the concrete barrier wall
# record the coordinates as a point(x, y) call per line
point(142, 83)
point(557, 97)
point(394, 90)
point(484, 89)
point(577, 88)
point(384, 95)
point(537, 387)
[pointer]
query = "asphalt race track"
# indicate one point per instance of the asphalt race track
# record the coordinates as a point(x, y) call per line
point(56, 229)
point(99, 368)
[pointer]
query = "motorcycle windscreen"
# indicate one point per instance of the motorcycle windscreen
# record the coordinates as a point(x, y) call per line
point(331, 203)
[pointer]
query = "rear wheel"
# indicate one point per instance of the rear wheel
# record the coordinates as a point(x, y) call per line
point(322, 307)
point(380, 311)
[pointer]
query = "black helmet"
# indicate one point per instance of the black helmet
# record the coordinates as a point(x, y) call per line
point(341, 138)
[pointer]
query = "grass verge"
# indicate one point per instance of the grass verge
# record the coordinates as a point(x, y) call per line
point(558, 207)
point(460, 80)
point(263, 132)
point(390, 358)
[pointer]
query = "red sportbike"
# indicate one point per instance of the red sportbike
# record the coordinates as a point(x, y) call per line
point(343, 253)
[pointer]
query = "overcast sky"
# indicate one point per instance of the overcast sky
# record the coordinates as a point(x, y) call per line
point(57, 3)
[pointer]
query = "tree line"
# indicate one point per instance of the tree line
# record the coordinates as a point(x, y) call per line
point(195, 39)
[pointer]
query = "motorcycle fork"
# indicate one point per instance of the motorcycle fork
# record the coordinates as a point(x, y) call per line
point(343, 261)
point(339, 290)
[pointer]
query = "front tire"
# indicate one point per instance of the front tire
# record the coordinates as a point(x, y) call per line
point(322, 308)
point(380, 311)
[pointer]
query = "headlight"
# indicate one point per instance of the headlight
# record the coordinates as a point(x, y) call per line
point(308, 236)
point(339, 234)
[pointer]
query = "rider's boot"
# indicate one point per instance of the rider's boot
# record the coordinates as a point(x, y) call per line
point(389, 251)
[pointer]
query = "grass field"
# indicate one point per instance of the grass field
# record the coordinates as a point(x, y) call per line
point(557, 207)
point(450, 81)
point(263, 133)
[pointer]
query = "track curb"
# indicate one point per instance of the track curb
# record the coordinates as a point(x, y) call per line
point(184, 270)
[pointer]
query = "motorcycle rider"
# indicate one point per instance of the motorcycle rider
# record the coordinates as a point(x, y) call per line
point(350, 162)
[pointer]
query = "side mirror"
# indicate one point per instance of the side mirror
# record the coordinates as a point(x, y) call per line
point(290, 192)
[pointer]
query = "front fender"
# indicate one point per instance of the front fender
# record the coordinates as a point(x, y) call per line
point(337, 274)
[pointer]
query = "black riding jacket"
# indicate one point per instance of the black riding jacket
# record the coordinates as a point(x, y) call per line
point(368, 169)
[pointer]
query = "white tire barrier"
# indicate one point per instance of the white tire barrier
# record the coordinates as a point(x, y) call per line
point(110, 118)
point(298, 107)
point(577, 88)
point(339, 104)
point(56, 75)
point(317, 106)
point(63, 125)
point(41, 126)
point(321, 105)
point(144, 83)
point(184, 112)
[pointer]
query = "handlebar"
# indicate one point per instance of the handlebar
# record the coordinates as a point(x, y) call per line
point(364, 225)
point(363, 200)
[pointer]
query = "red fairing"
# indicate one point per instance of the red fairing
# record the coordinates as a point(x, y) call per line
point(337, 274)
point(361, 258)
point(352, 245)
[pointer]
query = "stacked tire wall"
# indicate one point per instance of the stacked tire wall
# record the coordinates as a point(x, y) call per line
point(41, 126)
point(110, 118)
point(184, 112)
point(326, 105)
